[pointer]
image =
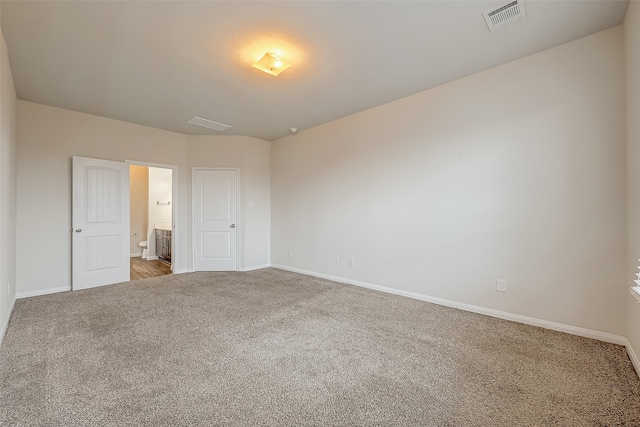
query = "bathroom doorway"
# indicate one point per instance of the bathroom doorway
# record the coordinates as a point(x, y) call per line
point(152, 210)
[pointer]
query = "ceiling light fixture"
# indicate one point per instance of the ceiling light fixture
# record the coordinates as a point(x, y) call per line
point(271, 64)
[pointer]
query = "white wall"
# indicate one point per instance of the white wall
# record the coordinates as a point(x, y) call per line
point(138, 207)
point(49, 137)
point(514, 173)
point(632, 50)
point(7, 189)
point(252, 157)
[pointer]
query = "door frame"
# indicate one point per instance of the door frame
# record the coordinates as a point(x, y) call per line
point(238, 213)
point(174, 208)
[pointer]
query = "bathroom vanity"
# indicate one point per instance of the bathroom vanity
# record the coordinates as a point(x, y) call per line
point(163, 244)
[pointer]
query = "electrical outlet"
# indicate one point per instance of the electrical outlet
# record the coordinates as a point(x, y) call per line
point(336, 260)
point(290, 252)
point(352, 262)
point(501, 285)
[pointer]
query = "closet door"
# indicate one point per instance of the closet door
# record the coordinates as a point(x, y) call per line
point(215, 234)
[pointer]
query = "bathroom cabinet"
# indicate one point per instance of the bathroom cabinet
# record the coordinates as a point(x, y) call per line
point(163, 244)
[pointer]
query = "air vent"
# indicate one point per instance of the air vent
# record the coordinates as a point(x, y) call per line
point(199, 121)
point(500, 17)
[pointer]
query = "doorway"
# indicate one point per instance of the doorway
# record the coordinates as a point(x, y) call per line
point(101, 221)
point(151, 220)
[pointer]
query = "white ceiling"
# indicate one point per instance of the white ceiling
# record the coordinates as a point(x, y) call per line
point(159, 63)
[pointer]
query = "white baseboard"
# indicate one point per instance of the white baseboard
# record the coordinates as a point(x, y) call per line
point(135, 255)
point(633, 356)
point(587, 333)
point(560, 327)
point(5, 324)
point(255, 267)
point(152, 258)
point(42, 292)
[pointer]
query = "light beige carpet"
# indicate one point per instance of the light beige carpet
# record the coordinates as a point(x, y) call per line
point(274, 348)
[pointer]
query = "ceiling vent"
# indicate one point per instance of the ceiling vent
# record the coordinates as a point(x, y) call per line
point(199, 121)
point(498, 18)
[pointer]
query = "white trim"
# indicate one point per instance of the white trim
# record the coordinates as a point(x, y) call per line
point(255, 267)
point(150, 165)
point(635, 291)
point(154, 257)
point(573, 330)
point(184, 270)
point(632, 355)
point(5, 325)
point(135, 255)
point(42, 292)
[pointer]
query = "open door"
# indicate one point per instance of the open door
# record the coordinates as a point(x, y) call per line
point(100, 220)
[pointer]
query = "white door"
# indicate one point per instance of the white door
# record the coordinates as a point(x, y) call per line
point(100, 242)
point(215, 235)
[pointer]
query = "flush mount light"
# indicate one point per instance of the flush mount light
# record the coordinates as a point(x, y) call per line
point(271, 64)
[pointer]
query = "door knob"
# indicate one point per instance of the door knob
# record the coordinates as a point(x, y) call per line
point(232, 226)
point(78, 230)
